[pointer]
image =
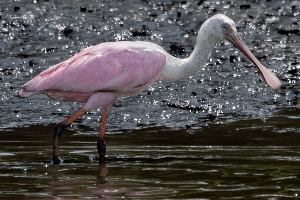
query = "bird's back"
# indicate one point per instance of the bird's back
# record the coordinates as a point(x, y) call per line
point(121, 67)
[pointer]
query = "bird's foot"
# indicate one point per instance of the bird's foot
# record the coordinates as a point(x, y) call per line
point(57, 160)
point(101, 150)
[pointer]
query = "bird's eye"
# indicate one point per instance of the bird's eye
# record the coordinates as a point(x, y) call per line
point(225, 26)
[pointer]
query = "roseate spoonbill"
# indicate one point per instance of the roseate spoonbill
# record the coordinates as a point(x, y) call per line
point(99, 74)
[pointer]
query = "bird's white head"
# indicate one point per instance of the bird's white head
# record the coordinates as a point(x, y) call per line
point(220, 27)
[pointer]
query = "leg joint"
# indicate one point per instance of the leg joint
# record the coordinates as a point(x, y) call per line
point(59, 129)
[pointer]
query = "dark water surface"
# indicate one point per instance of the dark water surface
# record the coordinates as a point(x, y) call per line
point(220, 134)
point(244, 159)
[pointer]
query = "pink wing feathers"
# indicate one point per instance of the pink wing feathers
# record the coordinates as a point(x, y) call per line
point(108, 67)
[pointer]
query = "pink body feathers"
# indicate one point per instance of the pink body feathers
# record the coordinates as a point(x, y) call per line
point(122, 69)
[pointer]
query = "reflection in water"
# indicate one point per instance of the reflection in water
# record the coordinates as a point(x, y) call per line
point(55, 173)
point(62, 184)
point(245, 159)
point(103, 171)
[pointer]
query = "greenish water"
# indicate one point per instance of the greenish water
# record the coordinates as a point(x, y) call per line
point(245, 159)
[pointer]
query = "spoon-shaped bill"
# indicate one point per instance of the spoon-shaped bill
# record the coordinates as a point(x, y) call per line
point(268, 76)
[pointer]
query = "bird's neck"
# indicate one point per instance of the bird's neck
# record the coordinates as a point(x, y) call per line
point(179, 68)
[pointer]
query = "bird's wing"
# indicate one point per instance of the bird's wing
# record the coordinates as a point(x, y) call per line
point(118, 67)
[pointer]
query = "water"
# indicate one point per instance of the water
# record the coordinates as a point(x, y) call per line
point(244, 159)
point(221, 133)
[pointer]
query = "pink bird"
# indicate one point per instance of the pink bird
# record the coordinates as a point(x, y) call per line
point(99, 74)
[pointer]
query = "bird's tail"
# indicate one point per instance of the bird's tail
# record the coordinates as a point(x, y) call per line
point(25, 93)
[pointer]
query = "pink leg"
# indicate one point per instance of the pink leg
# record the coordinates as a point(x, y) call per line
point(101, 137)
point(59, 129)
